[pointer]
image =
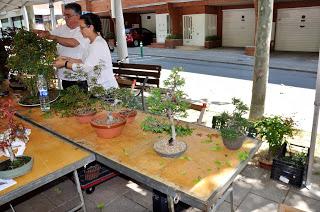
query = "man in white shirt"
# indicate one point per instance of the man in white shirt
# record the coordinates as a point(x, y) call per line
point(70, 41)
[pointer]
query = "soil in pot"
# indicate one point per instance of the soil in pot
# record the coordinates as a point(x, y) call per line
point(19, 167)
point(234, 144)
point(164, 149)
point(106, 128)
point(84, 115)
point(129, 115)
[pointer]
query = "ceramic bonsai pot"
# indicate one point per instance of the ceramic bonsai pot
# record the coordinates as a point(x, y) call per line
point(85, 118)
point(108, 130)
point(6, 173)
point(164, 149)
point(129, 115)
point(234, 144)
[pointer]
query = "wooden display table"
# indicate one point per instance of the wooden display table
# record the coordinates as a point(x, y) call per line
point(52, 159)
point(199, 178)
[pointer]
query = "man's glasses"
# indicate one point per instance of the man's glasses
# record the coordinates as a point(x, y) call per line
point(67, 16)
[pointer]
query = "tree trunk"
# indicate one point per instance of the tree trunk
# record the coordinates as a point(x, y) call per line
point(173, 129)
point(261, 65)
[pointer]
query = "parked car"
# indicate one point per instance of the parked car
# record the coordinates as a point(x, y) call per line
point(135, 35)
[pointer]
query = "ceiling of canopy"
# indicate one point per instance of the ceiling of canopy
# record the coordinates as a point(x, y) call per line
point(9, 5)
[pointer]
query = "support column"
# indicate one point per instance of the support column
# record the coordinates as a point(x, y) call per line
point(10, 22)
point(176, 20)
point(52, 16)
point(120, 30)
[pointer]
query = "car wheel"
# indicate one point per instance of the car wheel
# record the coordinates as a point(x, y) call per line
point(136, 43)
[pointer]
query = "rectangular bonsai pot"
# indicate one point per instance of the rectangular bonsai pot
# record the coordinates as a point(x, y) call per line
point(287, 171)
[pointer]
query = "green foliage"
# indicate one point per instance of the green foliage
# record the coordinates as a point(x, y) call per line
point(30, 57)
point(171, 103)
point(110, 35)
point(152, 124)
point(297, 158)
point(234, 125)
point(212, 38)
point(275, 130)
point(216, 148)
point(242, 156)
point(127, 98)
point(72, 99)
point(171, 36)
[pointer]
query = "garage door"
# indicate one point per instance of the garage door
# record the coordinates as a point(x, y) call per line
point(238, 27)
point(298, 29)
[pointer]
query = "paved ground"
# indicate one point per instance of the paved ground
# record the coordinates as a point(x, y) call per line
point(254, 191)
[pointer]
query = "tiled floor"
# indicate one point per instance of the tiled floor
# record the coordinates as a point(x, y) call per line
point(254, 191)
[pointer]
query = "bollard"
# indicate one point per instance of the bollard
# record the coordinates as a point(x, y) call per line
point(141, 49)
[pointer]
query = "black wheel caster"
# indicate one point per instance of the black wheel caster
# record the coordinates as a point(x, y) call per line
point(90, 190)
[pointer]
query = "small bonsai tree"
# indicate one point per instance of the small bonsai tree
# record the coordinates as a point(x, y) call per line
point(12, 131)
point(170, 102)
point(32, 56)
point(276, 130)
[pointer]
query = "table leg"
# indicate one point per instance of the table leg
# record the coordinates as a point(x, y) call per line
point(82, 205)
point(170, 203)
point(215, 207)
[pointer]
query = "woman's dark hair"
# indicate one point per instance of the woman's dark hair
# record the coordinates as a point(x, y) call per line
point(94, 20)
point(73, 6)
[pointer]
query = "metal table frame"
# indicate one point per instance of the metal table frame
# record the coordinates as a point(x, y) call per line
point(51, 177)
point(213, 202)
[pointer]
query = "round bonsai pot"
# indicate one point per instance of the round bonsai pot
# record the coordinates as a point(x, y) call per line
point(172, 151)
point(234, 144)
point(7, 173)
point(84, 117)
point(265, 164)
point(108, 130)
point(129, 115)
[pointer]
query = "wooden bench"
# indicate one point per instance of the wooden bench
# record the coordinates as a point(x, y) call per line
point(145, 75)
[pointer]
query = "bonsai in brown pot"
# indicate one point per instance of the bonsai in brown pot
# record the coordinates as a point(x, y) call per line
point(109, 125)
point(170, 103)
point(173, 40)
point(212, 41)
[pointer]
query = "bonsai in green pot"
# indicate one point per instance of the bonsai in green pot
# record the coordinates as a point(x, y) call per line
point(275, 130)
point(32, 56)
point(234, 126)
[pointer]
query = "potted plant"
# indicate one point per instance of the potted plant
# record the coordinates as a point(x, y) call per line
point(234, 126)
point(32, 56)
point(275, 130)
point(111, 124)
point(129, 103)
point(212, 41)
point(291, 164)
point(173, 40)
point(13, 135)
point(110, 37)
point(170, 103)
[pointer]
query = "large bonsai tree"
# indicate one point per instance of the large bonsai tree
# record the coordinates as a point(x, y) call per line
point(31, 56)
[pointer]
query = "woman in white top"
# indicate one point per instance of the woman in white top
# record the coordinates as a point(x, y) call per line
point(96, 59)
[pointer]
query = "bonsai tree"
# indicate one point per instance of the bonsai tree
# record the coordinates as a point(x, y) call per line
point(32, 56)
point(234, 126)
point(14, 135)
point(275, 130)
point(171, 103)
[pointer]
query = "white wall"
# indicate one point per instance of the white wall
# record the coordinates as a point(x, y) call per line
point(198, 29)
point(148, 21)
point(161, 27)
point(211, 25)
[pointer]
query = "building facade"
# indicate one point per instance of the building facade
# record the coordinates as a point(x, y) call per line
point(296, 23)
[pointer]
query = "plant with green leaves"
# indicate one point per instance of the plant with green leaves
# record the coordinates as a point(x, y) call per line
point(234, 126)
point(172, 102)
point(32, 56)
point(275, 130)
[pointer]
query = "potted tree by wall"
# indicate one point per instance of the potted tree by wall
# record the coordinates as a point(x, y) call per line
point(212, 41)
point(170, 103)
point(275, 130)
point(234, 126)
point(13, 135)
point(32, 56)
point(173, 40)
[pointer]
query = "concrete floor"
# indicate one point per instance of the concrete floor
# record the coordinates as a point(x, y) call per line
point(254, 191)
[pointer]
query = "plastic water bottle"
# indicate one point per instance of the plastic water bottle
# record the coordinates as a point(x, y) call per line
point(43, 94)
